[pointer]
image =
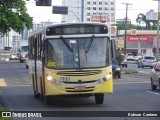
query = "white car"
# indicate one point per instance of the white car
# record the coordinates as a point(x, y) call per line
point(13, 56)
point(155, 76)
point(147, 61)
point(136, 58)
point(26, 61)
point(130, 56)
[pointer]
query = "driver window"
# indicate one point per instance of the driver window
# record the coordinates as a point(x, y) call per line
point(51, 56)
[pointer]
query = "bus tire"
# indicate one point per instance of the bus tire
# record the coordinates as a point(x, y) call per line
point(99, 98)
point(119, 76)
point(48, 100)
point(21, 61)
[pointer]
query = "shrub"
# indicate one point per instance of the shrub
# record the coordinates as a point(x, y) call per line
point(119, 57)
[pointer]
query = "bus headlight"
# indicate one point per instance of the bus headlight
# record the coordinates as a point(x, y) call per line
point(53, 81)
point(106, 78)
point(49, 78)
point(118, 69)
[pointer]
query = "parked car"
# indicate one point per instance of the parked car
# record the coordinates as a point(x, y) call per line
point(130, 56)
point(138, 57)
point(147, 61)
point(26, 61)
point(155, 76)
point(115, 68)
point(13, 56)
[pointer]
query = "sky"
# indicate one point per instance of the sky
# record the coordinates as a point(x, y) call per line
point(138, 6)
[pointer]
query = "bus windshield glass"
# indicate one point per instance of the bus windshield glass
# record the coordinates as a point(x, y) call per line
point(24, 48)
point(65, 53)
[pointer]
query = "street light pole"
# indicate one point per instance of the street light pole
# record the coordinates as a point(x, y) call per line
point(157, 47)
point(157, 40)
point(125, 39)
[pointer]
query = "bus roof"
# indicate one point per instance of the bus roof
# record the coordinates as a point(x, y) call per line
point(43, 29)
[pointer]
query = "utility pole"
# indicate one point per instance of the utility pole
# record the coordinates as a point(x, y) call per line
point(125, 39)
point(157, 47)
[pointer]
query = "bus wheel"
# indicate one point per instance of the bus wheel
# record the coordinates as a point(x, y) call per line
point(48, 100)
point(99, 98)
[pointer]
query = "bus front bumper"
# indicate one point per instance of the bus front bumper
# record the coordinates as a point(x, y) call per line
point(61, 88)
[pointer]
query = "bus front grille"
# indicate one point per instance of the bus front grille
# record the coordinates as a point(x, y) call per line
point(87, 89)
point(82, 82)
point(79, 73)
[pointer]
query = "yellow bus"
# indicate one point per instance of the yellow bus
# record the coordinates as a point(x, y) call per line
point(71, 59)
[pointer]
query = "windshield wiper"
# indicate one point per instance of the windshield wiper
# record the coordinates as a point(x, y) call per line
point(89, 45)
point(69, 48)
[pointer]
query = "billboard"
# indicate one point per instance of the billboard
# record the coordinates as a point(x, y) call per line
point(102, 18)
point(151, 15)
point(146, 38)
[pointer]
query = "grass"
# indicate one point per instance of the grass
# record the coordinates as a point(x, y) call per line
point(128, 71)
point(2, 110)
point(132, 62)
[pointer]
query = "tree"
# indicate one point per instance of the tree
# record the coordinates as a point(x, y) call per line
point(13, 15)
point(119, 57)
point(142, 18)
point(121, 26)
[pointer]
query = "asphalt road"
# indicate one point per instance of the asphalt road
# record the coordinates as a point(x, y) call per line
point(141, 70)
point(131, 93)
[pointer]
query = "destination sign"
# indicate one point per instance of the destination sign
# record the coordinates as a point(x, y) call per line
point(77, 29)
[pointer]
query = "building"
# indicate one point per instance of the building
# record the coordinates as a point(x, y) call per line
point(12, 39)
point(89, 11)
point(143, 42)
point(26, 32)
point(9, 40)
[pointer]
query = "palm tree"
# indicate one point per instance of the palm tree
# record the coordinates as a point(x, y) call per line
point(142, 18)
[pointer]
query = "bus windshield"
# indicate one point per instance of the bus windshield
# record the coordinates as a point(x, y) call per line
point(24, 48)
point(77, 52)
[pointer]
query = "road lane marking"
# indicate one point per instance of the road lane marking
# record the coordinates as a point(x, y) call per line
point(2, 82)
point(153, 92)
point(131, 82)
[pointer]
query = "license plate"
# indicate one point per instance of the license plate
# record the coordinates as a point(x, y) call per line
point(80, 88)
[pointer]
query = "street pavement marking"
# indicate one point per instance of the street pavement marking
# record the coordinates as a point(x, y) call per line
point(2, 82)
point(131, 82)
point(153, 92)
